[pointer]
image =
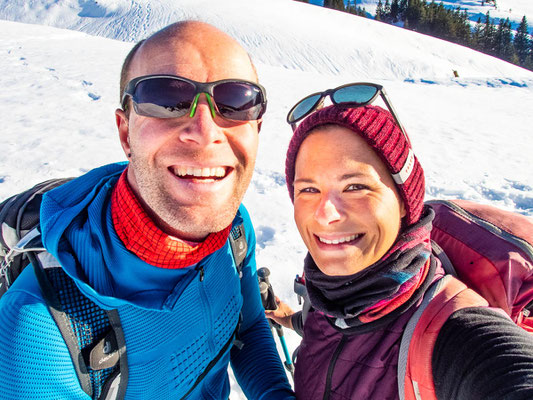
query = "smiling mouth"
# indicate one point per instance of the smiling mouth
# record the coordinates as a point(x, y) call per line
point(200, 174)
point(343, 240)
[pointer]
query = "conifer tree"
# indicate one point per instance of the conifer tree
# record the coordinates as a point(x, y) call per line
point(401, 9)
point(530, 64)
point(487, 35)
point(503, 45)
point(386, 11)
point(476, 35)
point(428, 20)
point(394, 10)
point(338, 5)
point(460, 27)
point(464, 33)
point(414, 14)
point(379, 11)
point(521, 41)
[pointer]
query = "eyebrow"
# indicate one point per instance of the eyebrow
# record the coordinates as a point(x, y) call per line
point(354, 175)
point(342, 177)
point(303, 180)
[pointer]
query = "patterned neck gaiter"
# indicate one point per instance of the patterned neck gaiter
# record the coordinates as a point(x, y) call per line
point(143, 238)
point(394, 283)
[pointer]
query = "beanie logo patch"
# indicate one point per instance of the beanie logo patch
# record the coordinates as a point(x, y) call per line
point(401, 177)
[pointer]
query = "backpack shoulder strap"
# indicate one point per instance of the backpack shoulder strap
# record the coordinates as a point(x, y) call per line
point(239, 246)
point(61, 319)
point(408, 335)
point(443, 258)
point(415, 375)
point(95, 339)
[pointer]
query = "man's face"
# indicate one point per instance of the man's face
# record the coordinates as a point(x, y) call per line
point(190, 174)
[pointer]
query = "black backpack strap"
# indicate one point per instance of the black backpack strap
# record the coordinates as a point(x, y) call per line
point(116, 383)
point(239, 246)
point(63, 323)
point(101, 365)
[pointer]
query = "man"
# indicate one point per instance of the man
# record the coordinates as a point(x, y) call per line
point(150, 240)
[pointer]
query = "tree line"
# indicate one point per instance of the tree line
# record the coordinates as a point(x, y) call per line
point(434, 19)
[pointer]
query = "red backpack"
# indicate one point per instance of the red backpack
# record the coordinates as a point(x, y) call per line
point(488, 256)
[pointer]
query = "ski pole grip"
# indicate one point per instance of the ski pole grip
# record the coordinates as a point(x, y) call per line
point(263, 289)
point(267, 295)
point(263, 274)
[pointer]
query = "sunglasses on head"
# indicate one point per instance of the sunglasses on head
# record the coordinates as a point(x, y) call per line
point(171, 96)
point(352, 95)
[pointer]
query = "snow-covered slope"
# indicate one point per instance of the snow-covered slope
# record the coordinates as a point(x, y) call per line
point(473, 134)
point(276, 32)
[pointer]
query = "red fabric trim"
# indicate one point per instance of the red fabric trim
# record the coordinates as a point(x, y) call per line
point(142, 237)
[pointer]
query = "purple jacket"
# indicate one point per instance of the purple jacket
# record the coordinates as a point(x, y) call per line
point(356, 366)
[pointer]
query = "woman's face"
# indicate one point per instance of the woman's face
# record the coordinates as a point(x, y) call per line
point(346, 206)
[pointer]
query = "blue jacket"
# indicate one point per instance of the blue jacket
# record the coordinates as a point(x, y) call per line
point(174, 322)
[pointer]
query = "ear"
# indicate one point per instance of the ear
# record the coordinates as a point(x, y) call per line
point(259, 123)
point(403, 210)
point(123, 131)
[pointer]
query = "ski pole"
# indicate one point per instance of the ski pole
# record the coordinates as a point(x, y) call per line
point(269, 303)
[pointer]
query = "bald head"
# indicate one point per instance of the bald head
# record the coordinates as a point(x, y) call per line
point(189, 206)
point(192, 49)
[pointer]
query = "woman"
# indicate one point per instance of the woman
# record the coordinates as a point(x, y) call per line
point(358, 194)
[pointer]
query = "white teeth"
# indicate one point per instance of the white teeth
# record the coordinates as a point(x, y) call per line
point(215, 172)
point(337, 241)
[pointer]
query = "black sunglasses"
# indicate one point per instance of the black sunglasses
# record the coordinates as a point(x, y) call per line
point(171, 96)
point(351, 95)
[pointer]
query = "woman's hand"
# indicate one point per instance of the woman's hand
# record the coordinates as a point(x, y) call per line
point(282, 315)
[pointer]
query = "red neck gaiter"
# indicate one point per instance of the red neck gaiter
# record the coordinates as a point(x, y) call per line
point(142, 237)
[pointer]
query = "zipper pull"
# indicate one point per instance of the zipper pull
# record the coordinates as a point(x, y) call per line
point(202, 273)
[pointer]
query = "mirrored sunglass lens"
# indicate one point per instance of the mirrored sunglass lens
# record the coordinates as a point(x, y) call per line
point(303, 107)
point(239, 101)
point(163, 97)
point(354, 94)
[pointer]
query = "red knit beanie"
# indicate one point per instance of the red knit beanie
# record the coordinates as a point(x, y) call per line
point(380, 131)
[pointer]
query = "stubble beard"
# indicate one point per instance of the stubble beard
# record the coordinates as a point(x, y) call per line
point(185, 221)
